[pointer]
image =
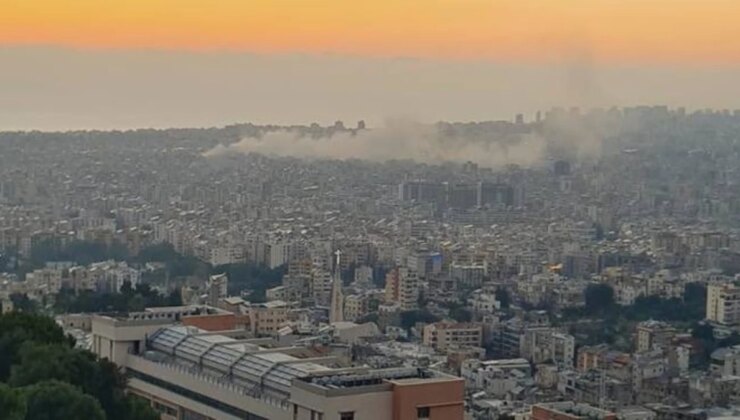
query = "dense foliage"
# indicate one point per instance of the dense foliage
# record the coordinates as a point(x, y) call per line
point(502, 296)
point(705, 334)
point(255, 279)
point(42, 376)
point(128, 300)
point(411, 318)
point(604, 321)
point(79, 252)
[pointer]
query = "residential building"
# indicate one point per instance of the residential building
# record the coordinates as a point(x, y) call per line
point(265, 319)
point(568, 410)
point(402, 287)
point(723, 303)
point(443, 335)
point(654, 334)
point(725, 361)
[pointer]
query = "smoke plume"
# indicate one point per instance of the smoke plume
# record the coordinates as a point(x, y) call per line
point(399, 140)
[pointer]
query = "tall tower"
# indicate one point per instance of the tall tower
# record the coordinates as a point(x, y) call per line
point(336, 311)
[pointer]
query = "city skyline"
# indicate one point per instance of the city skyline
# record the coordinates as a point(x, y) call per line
point(75, 65)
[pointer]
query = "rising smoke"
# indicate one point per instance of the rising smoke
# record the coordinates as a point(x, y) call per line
point(401, 140)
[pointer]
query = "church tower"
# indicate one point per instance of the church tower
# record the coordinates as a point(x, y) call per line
point(336, 311)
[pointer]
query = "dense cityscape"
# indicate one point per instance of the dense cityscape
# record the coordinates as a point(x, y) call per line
point(571, 264)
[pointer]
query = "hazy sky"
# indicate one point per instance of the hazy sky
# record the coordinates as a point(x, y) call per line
point(95, 64)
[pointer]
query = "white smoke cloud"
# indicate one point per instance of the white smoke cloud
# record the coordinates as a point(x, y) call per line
point(400, 140)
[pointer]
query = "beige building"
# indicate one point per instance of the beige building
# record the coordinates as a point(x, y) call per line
point(402, 287)
point(654, 334)
point(188, 373)
point(355, 307)
point(267, 318)
point(44, 281)
point(442, 335)
point(723, 303)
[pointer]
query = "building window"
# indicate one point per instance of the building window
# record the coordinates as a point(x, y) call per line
point(350, 415)
point(422, 413)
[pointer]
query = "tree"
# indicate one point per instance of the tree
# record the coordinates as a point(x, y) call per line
point(703, 331)
point(458, 312)
point(502, 296)
point(372, 317)
point(12, 404)
point(139, 409)
point(411, 318)
point(80, 252)
point(38, 352)
point(22, 303)
point(16, 328)
point(100, 379)
point(129, 299)
point(599, 298)
point(158, 252)
point(695, 294)
point(461, 314)
point(252, 277)
point(39, 362)
point(55, 400)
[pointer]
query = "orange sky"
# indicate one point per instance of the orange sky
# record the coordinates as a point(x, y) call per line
point(684, 31)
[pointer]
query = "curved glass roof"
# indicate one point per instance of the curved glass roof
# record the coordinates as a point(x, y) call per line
point(254, 365)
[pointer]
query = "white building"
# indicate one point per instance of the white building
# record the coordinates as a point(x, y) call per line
point(726, 361)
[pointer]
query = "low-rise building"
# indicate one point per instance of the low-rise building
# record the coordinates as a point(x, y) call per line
point(186, 372)
point(443, 335)
point(568, 410)
point(725, 361)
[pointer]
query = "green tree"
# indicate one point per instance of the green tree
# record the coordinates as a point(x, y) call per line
point(250, 277)
point(599, 298)
point(98, 378)
point(411, 318)
point(16, 328)
point(22, 303)
point(80, 252)
point(461, 314)
point(39, 362)
point(139, 409)
point(372, 317)
point(12, 404)
point(502, 295)
point(129, 299)
point(162, 252)
point(55, 400)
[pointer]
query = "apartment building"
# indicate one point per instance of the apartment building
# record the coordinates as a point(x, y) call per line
point(723, 303)
point(654, 334)
point(402, 287)
point(442, 336)
point(265, 319)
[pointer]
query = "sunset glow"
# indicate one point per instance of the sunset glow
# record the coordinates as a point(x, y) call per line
point(605, 30)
